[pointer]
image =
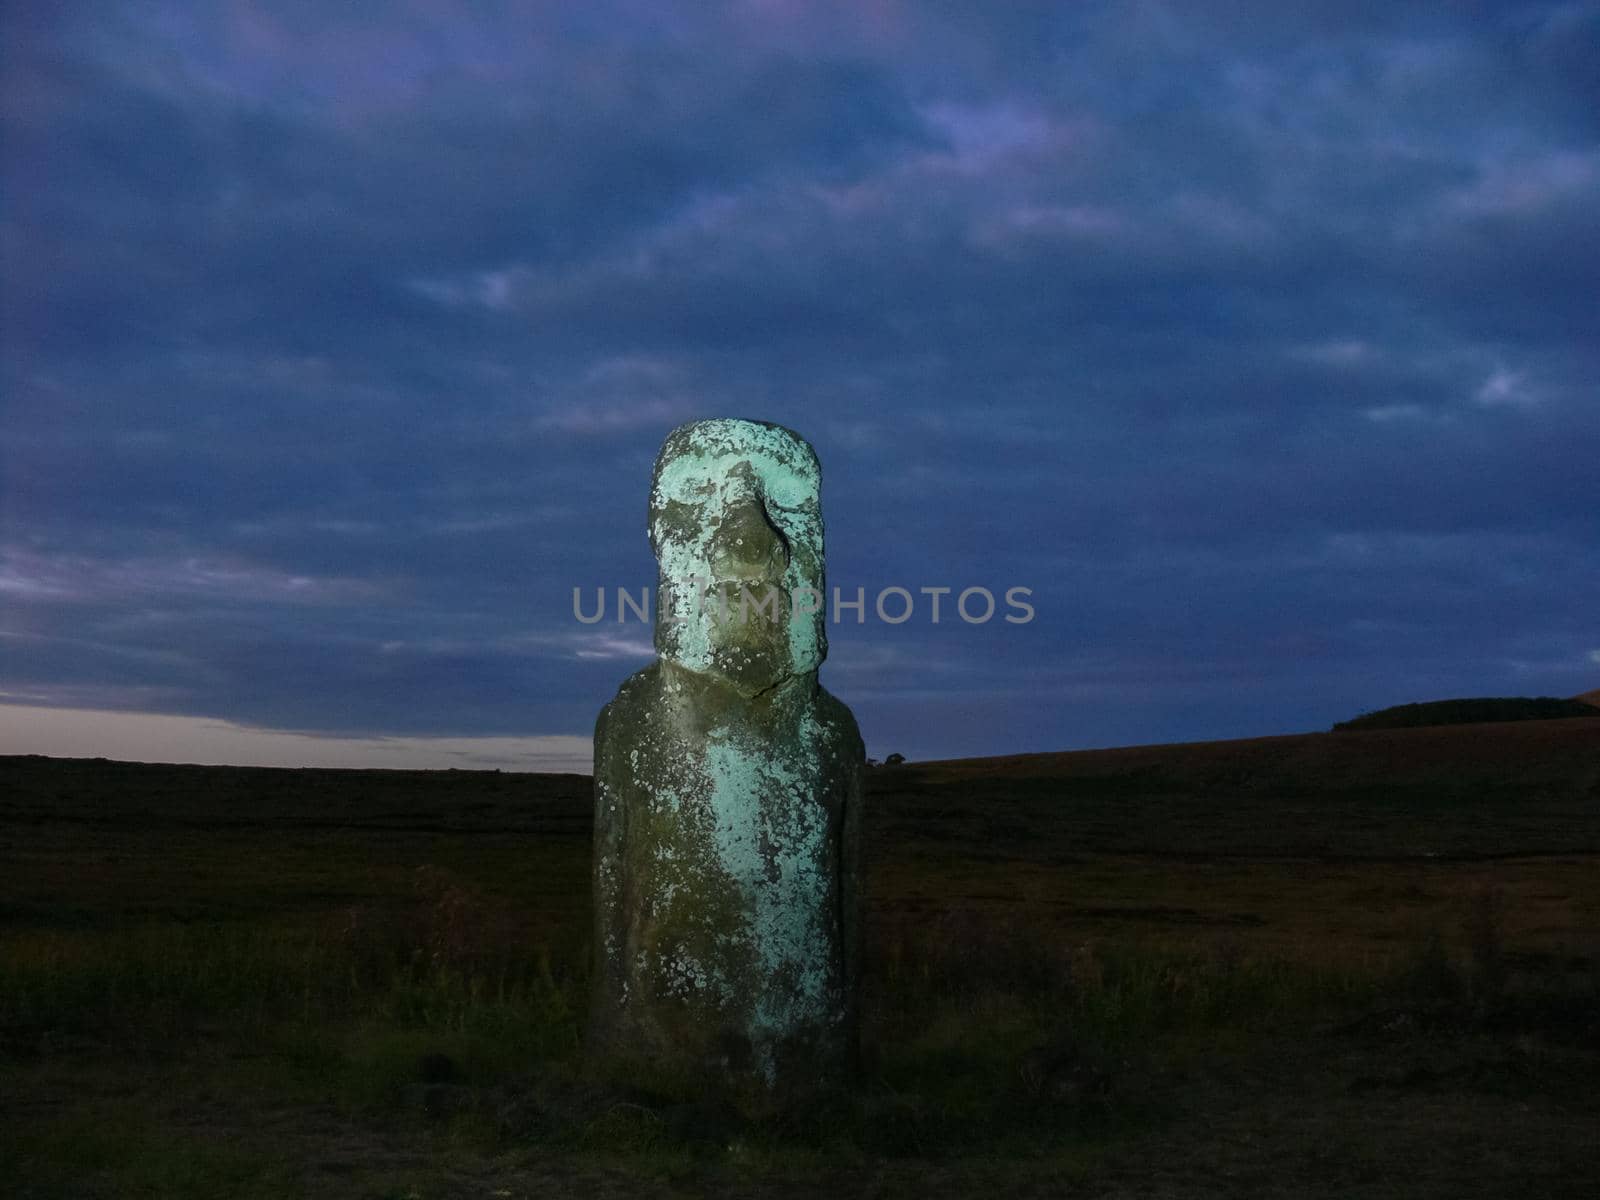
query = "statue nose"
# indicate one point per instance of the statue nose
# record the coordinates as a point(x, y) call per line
point(747, 545)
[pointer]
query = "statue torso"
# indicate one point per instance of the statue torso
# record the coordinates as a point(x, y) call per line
point(718, 829)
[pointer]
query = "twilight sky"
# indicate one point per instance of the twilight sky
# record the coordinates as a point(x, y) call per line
point(1260, 341)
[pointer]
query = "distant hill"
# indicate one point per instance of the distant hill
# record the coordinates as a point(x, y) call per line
point(1464, 791)
point(1474, 711)
point(1518, 787)
point(1589, 698)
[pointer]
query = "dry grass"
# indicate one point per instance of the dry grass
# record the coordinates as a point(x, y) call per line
point(371, 984)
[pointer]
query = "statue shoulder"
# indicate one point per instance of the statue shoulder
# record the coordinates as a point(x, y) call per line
point(836, 717)
point(632, 704)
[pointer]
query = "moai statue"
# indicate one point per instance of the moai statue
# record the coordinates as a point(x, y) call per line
point(728, 791)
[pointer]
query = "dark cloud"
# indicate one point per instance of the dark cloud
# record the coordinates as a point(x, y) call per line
point(1259, 343)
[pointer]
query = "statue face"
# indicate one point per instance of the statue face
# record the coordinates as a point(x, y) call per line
point(736, 524)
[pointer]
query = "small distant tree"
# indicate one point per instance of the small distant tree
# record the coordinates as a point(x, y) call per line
point(894, 760)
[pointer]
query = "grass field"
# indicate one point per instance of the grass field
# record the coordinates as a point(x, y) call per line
point(1353, 964)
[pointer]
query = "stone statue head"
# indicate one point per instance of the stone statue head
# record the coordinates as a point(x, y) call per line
point(736, 525)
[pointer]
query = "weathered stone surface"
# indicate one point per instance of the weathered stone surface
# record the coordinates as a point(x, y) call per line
point(728, 790)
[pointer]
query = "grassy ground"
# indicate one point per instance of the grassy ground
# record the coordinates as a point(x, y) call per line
point(1343, 965)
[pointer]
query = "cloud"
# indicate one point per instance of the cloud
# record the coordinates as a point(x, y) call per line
point(64, 577)
point(336, 352)
point(1506, 388)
